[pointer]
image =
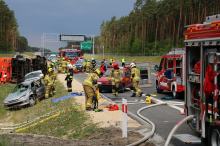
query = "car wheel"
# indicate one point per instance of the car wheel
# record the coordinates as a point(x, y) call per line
point(158, 88)
point(32, 100)
point(214, 136)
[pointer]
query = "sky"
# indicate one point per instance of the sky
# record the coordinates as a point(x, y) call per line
point(53, 17)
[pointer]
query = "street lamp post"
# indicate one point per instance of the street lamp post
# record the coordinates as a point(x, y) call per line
point(93, 45)
point(103, 52)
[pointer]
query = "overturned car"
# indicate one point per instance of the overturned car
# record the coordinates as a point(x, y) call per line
point(26, 93)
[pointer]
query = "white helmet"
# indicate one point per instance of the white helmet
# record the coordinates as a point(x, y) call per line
point(69, 66)
point(132, 65)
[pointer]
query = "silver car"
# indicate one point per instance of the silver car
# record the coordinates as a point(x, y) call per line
point(26, 93)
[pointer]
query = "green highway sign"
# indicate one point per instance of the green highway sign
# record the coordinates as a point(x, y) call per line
point(86, 45)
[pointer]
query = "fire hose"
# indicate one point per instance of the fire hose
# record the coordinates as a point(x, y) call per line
point(142, 119)
point(176, 127)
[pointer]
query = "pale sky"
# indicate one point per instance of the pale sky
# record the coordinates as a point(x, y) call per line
point(36, 17)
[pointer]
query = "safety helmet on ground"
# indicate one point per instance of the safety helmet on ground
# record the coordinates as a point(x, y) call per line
point(132, 65)
point(97, 71)
point(115, 65)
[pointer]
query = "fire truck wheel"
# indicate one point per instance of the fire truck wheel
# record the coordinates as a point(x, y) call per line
point(214, 136)
point(158, 88)
point(32, 100)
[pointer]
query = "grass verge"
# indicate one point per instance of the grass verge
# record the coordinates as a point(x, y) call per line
point(71, 124)
point(5, 90)
point(153, 59)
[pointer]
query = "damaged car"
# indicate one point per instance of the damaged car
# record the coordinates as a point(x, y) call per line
point(26, 93)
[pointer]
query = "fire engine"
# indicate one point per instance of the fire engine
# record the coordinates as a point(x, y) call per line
point(202, 100)
point(71, 54)
point(170, 73)
point(5, 69)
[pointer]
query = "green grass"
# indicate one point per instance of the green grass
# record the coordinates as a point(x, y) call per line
point(6, 55)
point(4, 141)
point(5, 90)
point(153, 59)
point(73, 124)
point(31, 54)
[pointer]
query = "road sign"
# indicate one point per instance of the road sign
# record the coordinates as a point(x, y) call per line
point(86, 45)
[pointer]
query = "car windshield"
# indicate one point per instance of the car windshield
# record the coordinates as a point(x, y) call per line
point(20, 88)
point(80, 61)
point(71, 54)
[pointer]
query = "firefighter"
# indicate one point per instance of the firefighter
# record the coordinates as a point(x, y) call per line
point(123, 62)
point(53, 77)
point(64, 65)
point(93, 63)
point(48, 83)
point(90, 87)
point(84, 65)
point(115, 78)
point(103, 67)
point(69, 79)
point(88, 66)
point(135, 78)
point(111, 61)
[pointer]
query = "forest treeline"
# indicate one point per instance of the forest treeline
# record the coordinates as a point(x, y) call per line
point(10, 39)
point(153, 26)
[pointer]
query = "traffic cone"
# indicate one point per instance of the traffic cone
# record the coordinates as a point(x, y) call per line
point(148, 99)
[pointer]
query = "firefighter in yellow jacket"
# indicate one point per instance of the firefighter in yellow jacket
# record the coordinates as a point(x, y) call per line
point(88, 66)
point(135, 78)
point(49, 83)
point(115, 78)
point(90, 86)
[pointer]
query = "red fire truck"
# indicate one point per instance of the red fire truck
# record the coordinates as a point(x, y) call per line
point(170, 73)
point(202, 100)
point(5, 69)
point(71, 54)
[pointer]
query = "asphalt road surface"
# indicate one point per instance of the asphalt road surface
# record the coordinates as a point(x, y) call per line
point(163, 116)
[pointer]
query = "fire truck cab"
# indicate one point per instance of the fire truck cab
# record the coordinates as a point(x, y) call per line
point(169, 74)
point(71, 54)
point(202, 94)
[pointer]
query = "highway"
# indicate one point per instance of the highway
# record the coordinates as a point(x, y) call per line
point(164, 117)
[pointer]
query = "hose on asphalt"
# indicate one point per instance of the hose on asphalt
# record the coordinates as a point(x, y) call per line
point(140, 118)
point(176, 127)
point(149, 134)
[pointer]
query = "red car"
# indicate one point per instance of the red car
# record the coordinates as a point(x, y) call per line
point(105, 83)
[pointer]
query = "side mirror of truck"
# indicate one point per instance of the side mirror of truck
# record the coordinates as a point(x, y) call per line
point(156, 67)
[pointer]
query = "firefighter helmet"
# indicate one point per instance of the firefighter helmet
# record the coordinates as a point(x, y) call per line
point(115, 65)
point(132, 65)
point(50, 69)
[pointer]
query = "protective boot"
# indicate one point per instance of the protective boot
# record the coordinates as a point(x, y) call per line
point(133, 95)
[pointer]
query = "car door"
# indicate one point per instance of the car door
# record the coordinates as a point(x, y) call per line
point(167, 74)
point(40, 89)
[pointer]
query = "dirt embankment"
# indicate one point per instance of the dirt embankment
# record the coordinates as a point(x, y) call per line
point(105, 137)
